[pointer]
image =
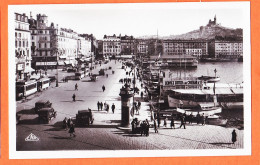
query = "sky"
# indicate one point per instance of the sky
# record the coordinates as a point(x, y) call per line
point(138, 19)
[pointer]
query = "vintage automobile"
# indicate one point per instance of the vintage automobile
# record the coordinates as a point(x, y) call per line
point(42, 104)
point(46, 114)
point(84, 117)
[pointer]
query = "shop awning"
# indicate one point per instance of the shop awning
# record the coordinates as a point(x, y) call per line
point(61, 63)
point(28, 69)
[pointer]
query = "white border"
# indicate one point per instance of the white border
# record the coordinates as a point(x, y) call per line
point(245, 8)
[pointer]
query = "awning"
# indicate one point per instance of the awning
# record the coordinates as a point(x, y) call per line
point(28, 69)
point(62, 57)
point(61, 63)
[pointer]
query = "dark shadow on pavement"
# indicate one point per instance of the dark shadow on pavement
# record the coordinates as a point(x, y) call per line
point(87, 81)
point(27, 111)
point(29, 121)
point(220, 143)
point(115, 121)
point(195, 140)
point(72, 101)
point(98, 126)
point(65, 138)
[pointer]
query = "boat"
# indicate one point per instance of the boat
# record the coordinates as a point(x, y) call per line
point(229, 96)
point(206, 109)
point(213, 59)
point(167, 61)
point(209, 79)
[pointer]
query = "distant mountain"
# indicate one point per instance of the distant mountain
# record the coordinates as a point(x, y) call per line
point(210, 31)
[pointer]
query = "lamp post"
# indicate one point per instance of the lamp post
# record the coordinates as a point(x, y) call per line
point(57, 72)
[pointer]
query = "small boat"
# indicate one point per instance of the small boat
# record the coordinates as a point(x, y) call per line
point(209, 111)
point(206, 109)
point(209, 79)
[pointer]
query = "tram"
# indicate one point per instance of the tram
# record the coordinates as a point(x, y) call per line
point(43, 84)
point(24, 89)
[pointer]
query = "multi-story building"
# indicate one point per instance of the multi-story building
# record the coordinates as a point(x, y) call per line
point(67, 45)
point(127, 45)
point(84, 47)
point(22, 47)
point(52, 46)
point(182, 47)
point(226, 49)
point(44, 52)
point(142, 47)
point(111, 46)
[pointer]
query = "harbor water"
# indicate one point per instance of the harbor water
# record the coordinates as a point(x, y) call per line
point(229, 72)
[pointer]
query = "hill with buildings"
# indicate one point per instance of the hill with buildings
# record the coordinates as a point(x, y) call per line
point(210, 31)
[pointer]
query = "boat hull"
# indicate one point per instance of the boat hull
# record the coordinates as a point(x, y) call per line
point(174, 103)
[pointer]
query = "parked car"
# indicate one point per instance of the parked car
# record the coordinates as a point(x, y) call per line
point(84, 117)
point(42, 104)
point(46, 115)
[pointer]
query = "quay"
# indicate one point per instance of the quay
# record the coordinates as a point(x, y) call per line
point(104, 134)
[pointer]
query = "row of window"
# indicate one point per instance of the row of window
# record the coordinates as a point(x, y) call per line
point(22, 18)
point(21, 43)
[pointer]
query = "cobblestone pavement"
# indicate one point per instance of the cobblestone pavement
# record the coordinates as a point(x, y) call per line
point(104, 134)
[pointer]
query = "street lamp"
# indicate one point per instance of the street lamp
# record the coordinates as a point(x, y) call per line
point(57, 80)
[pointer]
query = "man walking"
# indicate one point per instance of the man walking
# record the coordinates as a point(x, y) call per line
point(101, 106)
point(234, 136)
point(103, 88)
point(183, 121)
point(98, 105)
point(74, 97)
point(113, 108)
point(76, 87)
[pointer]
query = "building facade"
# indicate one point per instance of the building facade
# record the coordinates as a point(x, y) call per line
point(183, 47)
point(226, 49)
point(22, 47)
point(43, 40)
point(142, 47)
point(51, 45)
point(111, 46)
point(127, 45)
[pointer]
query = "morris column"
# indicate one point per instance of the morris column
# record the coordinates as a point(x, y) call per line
point(125, 94)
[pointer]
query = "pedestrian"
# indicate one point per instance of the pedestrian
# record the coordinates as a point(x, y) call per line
point(72, 130)
point(113, 108)
point(76, 87)
point(103, 88)
point(139, 104)
point(74, 97)
point(155, 126)
point(198, 118)
point(158, 119)
point(185, 117)
point(172, 123)
point(98, 105)
point(107, 108)
point(165, 122)
point(65, 123)
point(234, 136)
point(142, 95)
point(147, 127)
point(182, 121)
point(69, 122)
point(101, 106)
point(190, 118)
point(203, 119)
